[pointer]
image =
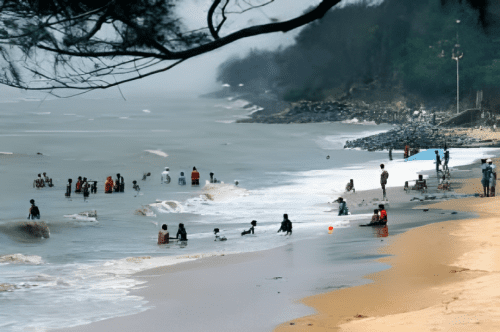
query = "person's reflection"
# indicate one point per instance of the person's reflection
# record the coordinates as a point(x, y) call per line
point(382, 231)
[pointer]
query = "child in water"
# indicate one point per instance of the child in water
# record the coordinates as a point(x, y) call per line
point(218, 235)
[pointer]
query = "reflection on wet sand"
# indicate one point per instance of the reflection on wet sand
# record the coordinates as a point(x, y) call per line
point(381, 231)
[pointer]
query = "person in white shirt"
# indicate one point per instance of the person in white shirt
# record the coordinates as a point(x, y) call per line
point(218, 235)
point(165, 177)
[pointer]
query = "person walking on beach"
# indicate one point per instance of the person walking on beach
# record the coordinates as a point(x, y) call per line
point(438, 162)
point(485, 180)
point(446, 159)
point(493, 178)
point(182, 180)
point(195, 177)
point(34, 212)
point(384, 175)
point(108, 185)
point(163, 235)
point(181, 233)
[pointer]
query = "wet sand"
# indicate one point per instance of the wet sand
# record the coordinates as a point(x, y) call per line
point(443, 276)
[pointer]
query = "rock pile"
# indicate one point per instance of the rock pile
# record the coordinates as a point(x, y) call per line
point(421, 135)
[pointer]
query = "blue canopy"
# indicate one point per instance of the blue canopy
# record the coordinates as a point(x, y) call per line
point(427, 155)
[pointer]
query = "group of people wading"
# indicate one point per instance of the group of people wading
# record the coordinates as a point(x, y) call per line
point(195, 177)
point(87, 187)
point(41, 182)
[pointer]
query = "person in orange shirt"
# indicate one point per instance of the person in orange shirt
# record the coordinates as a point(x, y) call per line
point(195, 177)
point(108, 186)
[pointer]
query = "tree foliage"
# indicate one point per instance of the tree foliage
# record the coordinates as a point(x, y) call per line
point(86, 44)
point(397, 42)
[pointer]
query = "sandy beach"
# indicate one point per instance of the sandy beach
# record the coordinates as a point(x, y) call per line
point(443, 276)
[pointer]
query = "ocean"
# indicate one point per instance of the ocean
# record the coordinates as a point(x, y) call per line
point(82, 272)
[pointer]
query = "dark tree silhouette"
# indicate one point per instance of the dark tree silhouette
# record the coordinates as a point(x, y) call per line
point(87, 44)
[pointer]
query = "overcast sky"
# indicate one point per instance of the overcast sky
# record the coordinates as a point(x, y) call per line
point(198, 74)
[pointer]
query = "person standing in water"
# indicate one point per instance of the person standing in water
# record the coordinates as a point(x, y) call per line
point(382, 214)
point(47, 180)
point(34, 212)
point(218, 235)
point(136, 186)
point(195, 177)
point(165, 177)
point(181, 233)
point(182, 180)
point(108, 185)
point(384, 175)
point(343, 210)
point(68, 188)
point(116, 187)
point(438, 162)
point(85, 188)
point(286, 225)
point(78, 185)
point(163, 235)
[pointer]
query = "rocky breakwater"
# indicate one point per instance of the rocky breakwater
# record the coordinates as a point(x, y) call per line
point(420, 135)
point(326, 111)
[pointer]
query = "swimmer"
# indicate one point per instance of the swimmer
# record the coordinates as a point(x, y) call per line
point(252, 229)
point(34, 212)
point(165, 177)
point(136, 186)
point(218, 235)
point(181, 233)
point(286, 225)
point(163, 235)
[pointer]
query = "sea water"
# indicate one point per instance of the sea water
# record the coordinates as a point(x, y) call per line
point(82, 272)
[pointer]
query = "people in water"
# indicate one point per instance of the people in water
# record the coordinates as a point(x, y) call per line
point(212, 178)
point(382, 214)
point(343, 210)
point(136, 186)
point(286, 225)
point(384, 175)
point(38, 183)
point(252, 229)
point(122, 185)
point(163, 235)
point(182, 179)
point(47, 180)
point(195, 177)
point(218, 235)
point(390, 153)
point(34, 212)
point(85, 188)
point(374, 217)
point(165, 177)
point(78, 185)
point(181, 233)
point(108, 185)
point(350, 186)
point(68, 188)
point(93, 188)
point(116, 185)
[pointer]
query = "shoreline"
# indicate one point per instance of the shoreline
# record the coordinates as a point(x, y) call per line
point(239, 271)
point(441, 276)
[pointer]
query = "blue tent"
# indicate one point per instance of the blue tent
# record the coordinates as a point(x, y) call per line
point(427, 155)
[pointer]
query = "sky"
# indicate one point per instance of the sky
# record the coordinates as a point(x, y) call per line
point(198, 75)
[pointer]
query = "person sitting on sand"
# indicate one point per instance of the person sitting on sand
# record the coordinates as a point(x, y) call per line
point(195, 177)
point(108, 185)
point(252, 229)
point(78, 185)
point(382, 214)
point(218, 235)
point(182, 180)
point(34, 212)
point(343, 210)
point(181, 233)
point(163, 235)
point(350, 186)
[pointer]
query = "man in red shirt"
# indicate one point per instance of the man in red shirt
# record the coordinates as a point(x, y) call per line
point(195, 177)
point(382, 214)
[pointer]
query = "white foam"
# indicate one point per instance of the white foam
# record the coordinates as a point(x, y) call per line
point(158, 152)
point(6, 153)
point(21, 259)
point(80, 218)
point(168, 206)
point(146, 111)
